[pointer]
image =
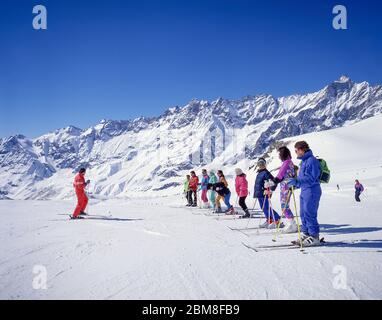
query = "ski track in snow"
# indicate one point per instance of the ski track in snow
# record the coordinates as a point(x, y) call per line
point(154, 250)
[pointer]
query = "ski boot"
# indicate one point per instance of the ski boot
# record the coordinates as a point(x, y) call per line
point(309, 241)
point(218, 210)
point(82, 213)
point(291, 227)
point(264, 225)
point(230, 211)
point(75, 218)
point(246, 215)
point(275, 225)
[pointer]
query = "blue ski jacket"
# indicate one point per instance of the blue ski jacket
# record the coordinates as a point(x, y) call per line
point(262, 176)
point(310, 171)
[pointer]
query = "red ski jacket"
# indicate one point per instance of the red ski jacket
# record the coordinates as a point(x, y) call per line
point(193, 184)
point(79, 183)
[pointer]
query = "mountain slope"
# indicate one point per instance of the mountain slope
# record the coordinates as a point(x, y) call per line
point(156, 248)
point(127, 158)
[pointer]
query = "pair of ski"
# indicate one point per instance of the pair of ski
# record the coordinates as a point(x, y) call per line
point(91, 217)
point(295, 245)
point(235, 216)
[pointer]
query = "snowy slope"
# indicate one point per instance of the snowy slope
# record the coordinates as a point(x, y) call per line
point(129, 158)
point(155, 248)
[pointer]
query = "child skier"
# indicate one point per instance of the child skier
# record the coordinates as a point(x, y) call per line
point(263, 192)
point(213, 180)
point(223, 180)
point(358, 190)
point(186, 190)
point(193, 185)
point(309, 181)
point(79, 185)
point(287, 171)
point(225, 193)
point(203, 187)
point(241, 185)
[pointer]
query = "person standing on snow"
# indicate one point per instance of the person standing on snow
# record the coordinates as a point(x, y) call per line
point(241, 185)
point(203, 187)
point(213, 180)
point(286, 172)
point(79, 185)
point(193, 185)
point(262, 191)
point(223, 192)
point(358, 190)
point(186, 190)
point(223, 180)
point(309, 181)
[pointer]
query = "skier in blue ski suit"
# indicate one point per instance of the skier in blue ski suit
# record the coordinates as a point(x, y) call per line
point(309, 181)
point(262, 191)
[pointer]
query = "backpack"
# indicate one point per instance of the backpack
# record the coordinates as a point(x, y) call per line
point(325, 171)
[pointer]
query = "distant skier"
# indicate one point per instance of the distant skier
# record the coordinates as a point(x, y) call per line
point(225, 193)
point(193, 185)
point(186, 190)
point(358, 190)
point(241, 185)
point(203, 187)
point(213, 180)
point(309, 181)
point(338, 187)
point(223, 180)
point(263, 192)
point(79, 185)
point(286, 172)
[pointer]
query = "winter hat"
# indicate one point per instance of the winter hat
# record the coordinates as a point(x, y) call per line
point(261, 162)
point(238, 171)
point(212, 172)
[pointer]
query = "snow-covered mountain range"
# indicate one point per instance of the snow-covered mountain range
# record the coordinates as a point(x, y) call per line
point(128, 158)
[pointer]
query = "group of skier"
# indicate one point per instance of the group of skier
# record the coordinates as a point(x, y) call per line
point(307, 178)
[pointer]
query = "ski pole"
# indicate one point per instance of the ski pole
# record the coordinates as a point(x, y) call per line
point(298, 223)
point(270, 208)
point(254, 205)
point(234, 211)
point(282, 215)
point(262, 209)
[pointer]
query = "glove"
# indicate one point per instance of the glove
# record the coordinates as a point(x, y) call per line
point(293, 183)
point(87, 182)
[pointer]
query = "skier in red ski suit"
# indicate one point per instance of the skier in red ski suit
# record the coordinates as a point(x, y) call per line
point(79, 185)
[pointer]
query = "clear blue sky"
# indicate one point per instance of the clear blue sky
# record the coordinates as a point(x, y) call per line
point(121, 59)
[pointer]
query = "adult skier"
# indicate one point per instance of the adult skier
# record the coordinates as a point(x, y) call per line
point(186, 190)
point(241, 185)
point(358, 190)
point(213, 180)
point(203, 187)
point(193, 185)
point(225, 193)
point(263, 192)
point(79, 185)
point(223, 180)
point(287, 171)
point(309, 181)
